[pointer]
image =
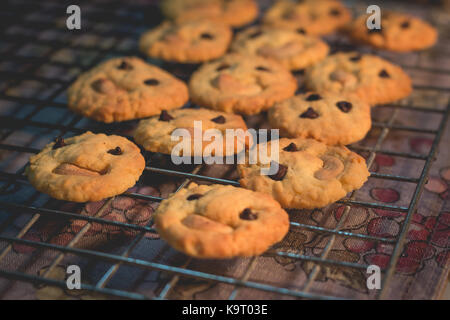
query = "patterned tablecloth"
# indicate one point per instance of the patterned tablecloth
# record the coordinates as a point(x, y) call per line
point(422, 268)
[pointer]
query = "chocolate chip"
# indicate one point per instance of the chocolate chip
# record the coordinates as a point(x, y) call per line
point(207, 36)
point(151, 82)
point(165, 116)
point(194, 196)
point(356, 58)
point(59, 143)
point(335, 12)
point(384, 74)
point(282, 170)
point(125, 66)
point(247, 214)
point(219, 119)
point(261, 68)
point(223, 67)
point(117, 151)
point(313, 97)
point(291, 147)
point(405, 25)
point(370, 31)
point(255, 34)
point(344, 106)
point(310, 114)
point(301, 31)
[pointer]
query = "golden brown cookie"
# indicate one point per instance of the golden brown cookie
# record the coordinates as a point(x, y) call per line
point(124, 89)
point(235, 13)
point(221, 221)
point(187, 42)
point(312, 17)
point(242, 84)
point(89, 167)
point(399, 32)
point(310, 173)
point(292, 49)
point(373, 79)
point(330, 118)
point(155, 134)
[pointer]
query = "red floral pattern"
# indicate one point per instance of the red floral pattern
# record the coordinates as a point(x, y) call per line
point(383, 227)
point(421, 145)
point(386, 195)
point(122, 209)
point(384, 160)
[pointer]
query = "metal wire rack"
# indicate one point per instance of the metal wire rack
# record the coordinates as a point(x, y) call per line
point(25, 23)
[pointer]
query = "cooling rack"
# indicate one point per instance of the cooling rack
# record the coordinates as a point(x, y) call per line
point(41, 58)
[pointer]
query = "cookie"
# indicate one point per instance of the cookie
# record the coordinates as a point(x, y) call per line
point(373, 79)
point(220, 222)
point(125, 88)
point(235, 13)
point(399, 32)
point(330, 118)
point(308, 16)
point(89, 167)
point(293, 50)
point(310, 173)
point(242, 84)
point(187, 42)
point(155, 134)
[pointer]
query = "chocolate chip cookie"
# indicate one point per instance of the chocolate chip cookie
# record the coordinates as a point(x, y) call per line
point(242, 84)
point(399, 32)
point(330, 118)
point(310, 173)
point(373, 79)
point(125, 88)
point(156, 134)
point(293, 50)
point(235, 13)
point(187, 42)
point(221, 221)
point(308, 16)
point(89, 167)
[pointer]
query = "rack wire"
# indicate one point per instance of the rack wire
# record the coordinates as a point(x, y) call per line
point(113, 24)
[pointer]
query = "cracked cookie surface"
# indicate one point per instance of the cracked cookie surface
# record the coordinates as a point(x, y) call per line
point(371, 78)
point(290, 48)
point(187, 42)
point(310, 16)
point(242, 84)
point(155, 134)
point(235, 13)
point(124, 89)
point(330, 118)
point(89, 167)
point(399, 32)
point(310, 174)
point(219, 221)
